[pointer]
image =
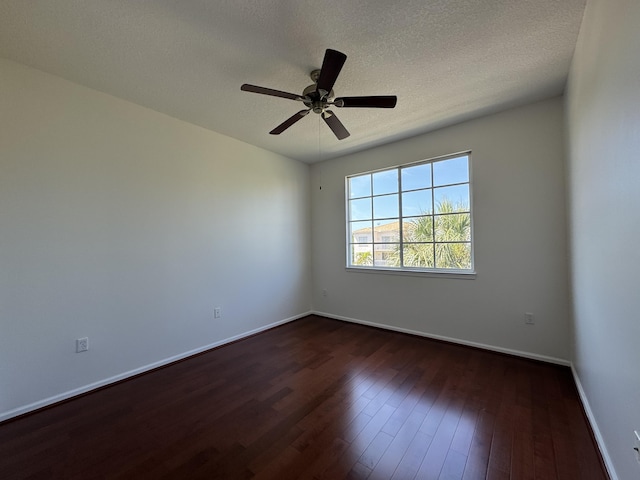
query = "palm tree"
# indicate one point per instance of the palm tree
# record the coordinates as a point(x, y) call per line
point(442, 244)
point(416, 253)
point(364, 258)
point(455, 230)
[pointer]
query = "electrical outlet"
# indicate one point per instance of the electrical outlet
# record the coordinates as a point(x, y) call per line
point(528, 318)
point(324, 293)
point(636, 444)
point(82, 344)
point(217, 312)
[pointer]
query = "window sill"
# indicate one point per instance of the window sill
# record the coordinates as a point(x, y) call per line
point(414, 273)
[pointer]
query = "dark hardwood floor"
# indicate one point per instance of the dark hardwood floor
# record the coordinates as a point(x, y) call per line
point(317, 399)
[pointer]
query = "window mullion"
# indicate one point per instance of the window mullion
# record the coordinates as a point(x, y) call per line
point(400, 220)
point(433, 217)
point(373, 230)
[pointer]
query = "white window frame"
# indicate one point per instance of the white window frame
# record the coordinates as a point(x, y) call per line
point(450, 272)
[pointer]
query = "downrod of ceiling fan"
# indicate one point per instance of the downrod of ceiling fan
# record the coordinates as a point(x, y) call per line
point(315, 74)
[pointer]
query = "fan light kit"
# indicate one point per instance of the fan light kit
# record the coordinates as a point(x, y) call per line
point(319, 96)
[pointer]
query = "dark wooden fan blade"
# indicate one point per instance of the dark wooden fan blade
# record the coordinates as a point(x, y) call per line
point(269, 91)
point(335, 125)
point(331, 66)
point(288, 122)
point(381, 101)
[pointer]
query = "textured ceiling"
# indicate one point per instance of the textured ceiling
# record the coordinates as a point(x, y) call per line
point(446, 60)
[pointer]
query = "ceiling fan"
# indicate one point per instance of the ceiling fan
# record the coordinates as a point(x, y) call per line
point(319, 96)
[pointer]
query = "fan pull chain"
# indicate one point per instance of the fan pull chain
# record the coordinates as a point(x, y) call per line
point(319, 150)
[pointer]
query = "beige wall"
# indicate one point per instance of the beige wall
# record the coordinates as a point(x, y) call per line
point(519, 231)
point(603, 113)
point(127, 226)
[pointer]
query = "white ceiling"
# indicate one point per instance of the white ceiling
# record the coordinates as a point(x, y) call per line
point(446, 60)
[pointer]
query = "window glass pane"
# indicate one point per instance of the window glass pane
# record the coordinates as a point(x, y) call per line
point(385, 182)
point(454, 170)
point(362, 255)
point(360, 186)
point(418, 229)
point(453, 228)
point(387, 231)
point(418, 255)
point(360, 209)
point(453, 255)
point(360, 232)
point(385, 206)
point(452, 199)
point(385, 255)
point(416, 177)
point(416, 203)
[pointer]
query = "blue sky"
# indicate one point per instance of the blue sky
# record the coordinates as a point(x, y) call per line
point(423, 180)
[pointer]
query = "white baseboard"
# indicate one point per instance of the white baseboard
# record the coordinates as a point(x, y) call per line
point(594, 426)
point(518, 353)
point(116, 378)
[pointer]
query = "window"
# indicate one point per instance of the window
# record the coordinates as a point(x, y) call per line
point(416, 217)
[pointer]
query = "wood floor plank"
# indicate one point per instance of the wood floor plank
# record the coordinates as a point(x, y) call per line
point(502, 441)
point(453, 467)
point(397, 449)
point(413, 457)
point(480, 448)
point(434, 460)
point(376, 449)
point(522, 461)
point(317, 399)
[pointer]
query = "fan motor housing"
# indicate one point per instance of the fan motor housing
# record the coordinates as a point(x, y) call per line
point(312, 99)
